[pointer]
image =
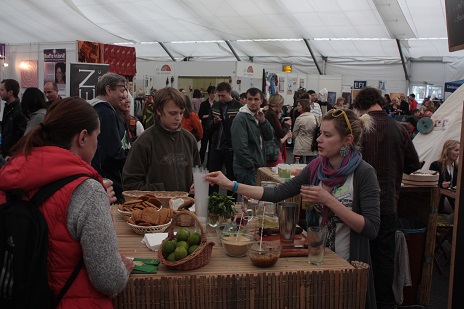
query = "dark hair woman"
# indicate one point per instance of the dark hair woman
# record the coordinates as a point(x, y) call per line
point(197, 98)
point(191, 122)
point(78, 217)
point(33, 106)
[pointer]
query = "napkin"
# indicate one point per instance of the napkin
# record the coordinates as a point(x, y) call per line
point(145, 266)
point(154, 240)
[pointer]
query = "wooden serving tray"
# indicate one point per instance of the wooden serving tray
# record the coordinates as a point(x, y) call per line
point(300, 240)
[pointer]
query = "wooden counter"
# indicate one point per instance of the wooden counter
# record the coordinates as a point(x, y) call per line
point(227, 282)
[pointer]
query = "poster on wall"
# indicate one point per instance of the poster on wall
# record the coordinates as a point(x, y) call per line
point(291, 86)
point(302, 82)
point(29, 73)
point(84, 77)
point(55, 68)
point(281, 84)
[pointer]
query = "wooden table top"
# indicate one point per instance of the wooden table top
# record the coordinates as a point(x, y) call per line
point(130, 245)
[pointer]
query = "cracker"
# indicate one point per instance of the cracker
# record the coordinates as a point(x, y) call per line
point(151, 215)
point(133, 202)
point(164, 215)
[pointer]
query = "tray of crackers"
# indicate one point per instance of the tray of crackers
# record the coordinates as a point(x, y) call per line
point(150, 219)
point(147, 200)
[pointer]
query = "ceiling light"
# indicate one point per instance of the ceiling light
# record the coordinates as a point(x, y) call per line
point(351, 39)
point(271, 40)
point(193, 42)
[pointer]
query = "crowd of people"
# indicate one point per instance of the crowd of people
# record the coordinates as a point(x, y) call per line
point(355, 170)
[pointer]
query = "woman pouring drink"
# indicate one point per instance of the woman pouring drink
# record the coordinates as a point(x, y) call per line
point(343, 187)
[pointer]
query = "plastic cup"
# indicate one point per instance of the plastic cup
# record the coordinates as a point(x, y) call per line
point(307, 205)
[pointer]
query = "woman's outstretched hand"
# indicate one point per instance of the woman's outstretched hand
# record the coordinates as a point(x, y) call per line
point(218, 178)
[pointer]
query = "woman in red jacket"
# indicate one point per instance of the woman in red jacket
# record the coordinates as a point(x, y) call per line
point(78, 215)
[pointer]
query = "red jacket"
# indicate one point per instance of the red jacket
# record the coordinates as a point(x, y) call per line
point(193, 125)
point(45, 165)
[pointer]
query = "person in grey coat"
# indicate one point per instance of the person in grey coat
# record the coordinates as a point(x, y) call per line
point(344, 189)
point(249, 130)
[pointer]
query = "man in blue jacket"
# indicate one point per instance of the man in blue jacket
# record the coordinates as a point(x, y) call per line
point(249, 131)
point(113, 143)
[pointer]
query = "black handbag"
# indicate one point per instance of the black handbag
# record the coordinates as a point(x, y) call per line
point(271, 150)
point(316, 133)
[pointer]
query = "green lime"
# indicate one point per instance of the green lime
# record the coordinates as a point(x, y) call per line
point(183, 234)
point(171, 257)
point(174, 240)
point(169, 247)
point(194, 239)
point(192, 248)
point(180, 253)
point(182, 244)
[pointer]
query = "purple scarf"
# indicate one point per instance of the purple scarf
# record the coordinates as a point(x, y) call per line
point(321, 170)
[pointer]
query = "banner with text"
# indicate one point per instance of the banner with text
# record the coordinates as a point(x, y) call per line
point(84, 77)
point(55, 68)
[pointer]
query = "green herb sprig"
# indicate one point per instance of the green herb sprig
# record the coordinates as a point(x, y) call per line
point(221, 205)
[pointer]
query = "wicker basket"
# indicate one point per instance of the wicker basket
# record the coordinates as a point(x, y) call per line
point(183, 219)
point(125, 214)
point(135, 194)
point(166, 196)
point(142, 230)
point(199, 258)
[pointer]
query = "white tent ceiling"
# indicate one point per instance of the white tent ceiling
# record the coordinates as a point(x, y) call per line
point(336, 30)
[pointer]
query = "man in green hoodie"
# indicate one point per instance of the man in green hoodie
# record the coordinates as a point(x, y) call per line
point(249, 131)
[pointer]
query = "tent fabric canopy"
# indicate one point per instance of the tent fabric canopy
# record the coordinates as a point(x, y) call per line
point(364, 30)
point(448, 122)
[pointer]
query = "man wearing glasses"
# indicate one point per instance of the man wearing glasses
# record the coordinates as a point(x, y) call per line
point(390, 151)
point(111, 151)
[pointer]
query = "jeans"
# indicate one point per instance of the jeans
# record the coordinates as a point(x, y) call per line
point(383, 261)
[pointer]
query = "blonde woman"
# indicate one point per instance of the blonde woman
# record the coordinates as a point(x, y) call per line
point(447, 166)
point(344, 188)
point(281, 131)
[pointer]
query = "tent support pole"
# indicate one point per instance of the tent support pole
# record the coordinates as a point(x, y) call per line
point(402, 60)
point(233, 50)
point(167, 51)
point(312, 56)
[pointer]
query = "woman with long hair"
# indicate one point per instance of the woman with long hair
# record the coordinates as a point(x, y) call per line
point(190, 121)
point(281, 131)
point(343, 187)
point(78, 217)
point(447, 166)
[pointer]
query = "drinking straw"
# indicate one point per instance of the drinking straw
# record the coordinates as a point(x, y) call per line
point(262, 228)
point(238, 231)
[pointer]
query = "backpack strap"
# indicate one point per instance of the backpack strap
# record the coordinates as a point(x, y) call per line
point(70, 280)
point(38, 199)
point(49, 189)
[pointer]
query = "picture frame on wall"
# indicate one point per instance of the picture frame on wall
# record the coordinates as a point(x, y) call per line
point(331, 97)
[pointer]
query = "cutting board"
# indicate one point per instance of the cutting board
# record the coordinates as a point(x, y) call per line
point(300, 239)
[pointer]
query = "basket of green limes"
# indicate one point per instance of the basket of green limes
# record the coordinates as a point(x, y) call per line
point(187, 249)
